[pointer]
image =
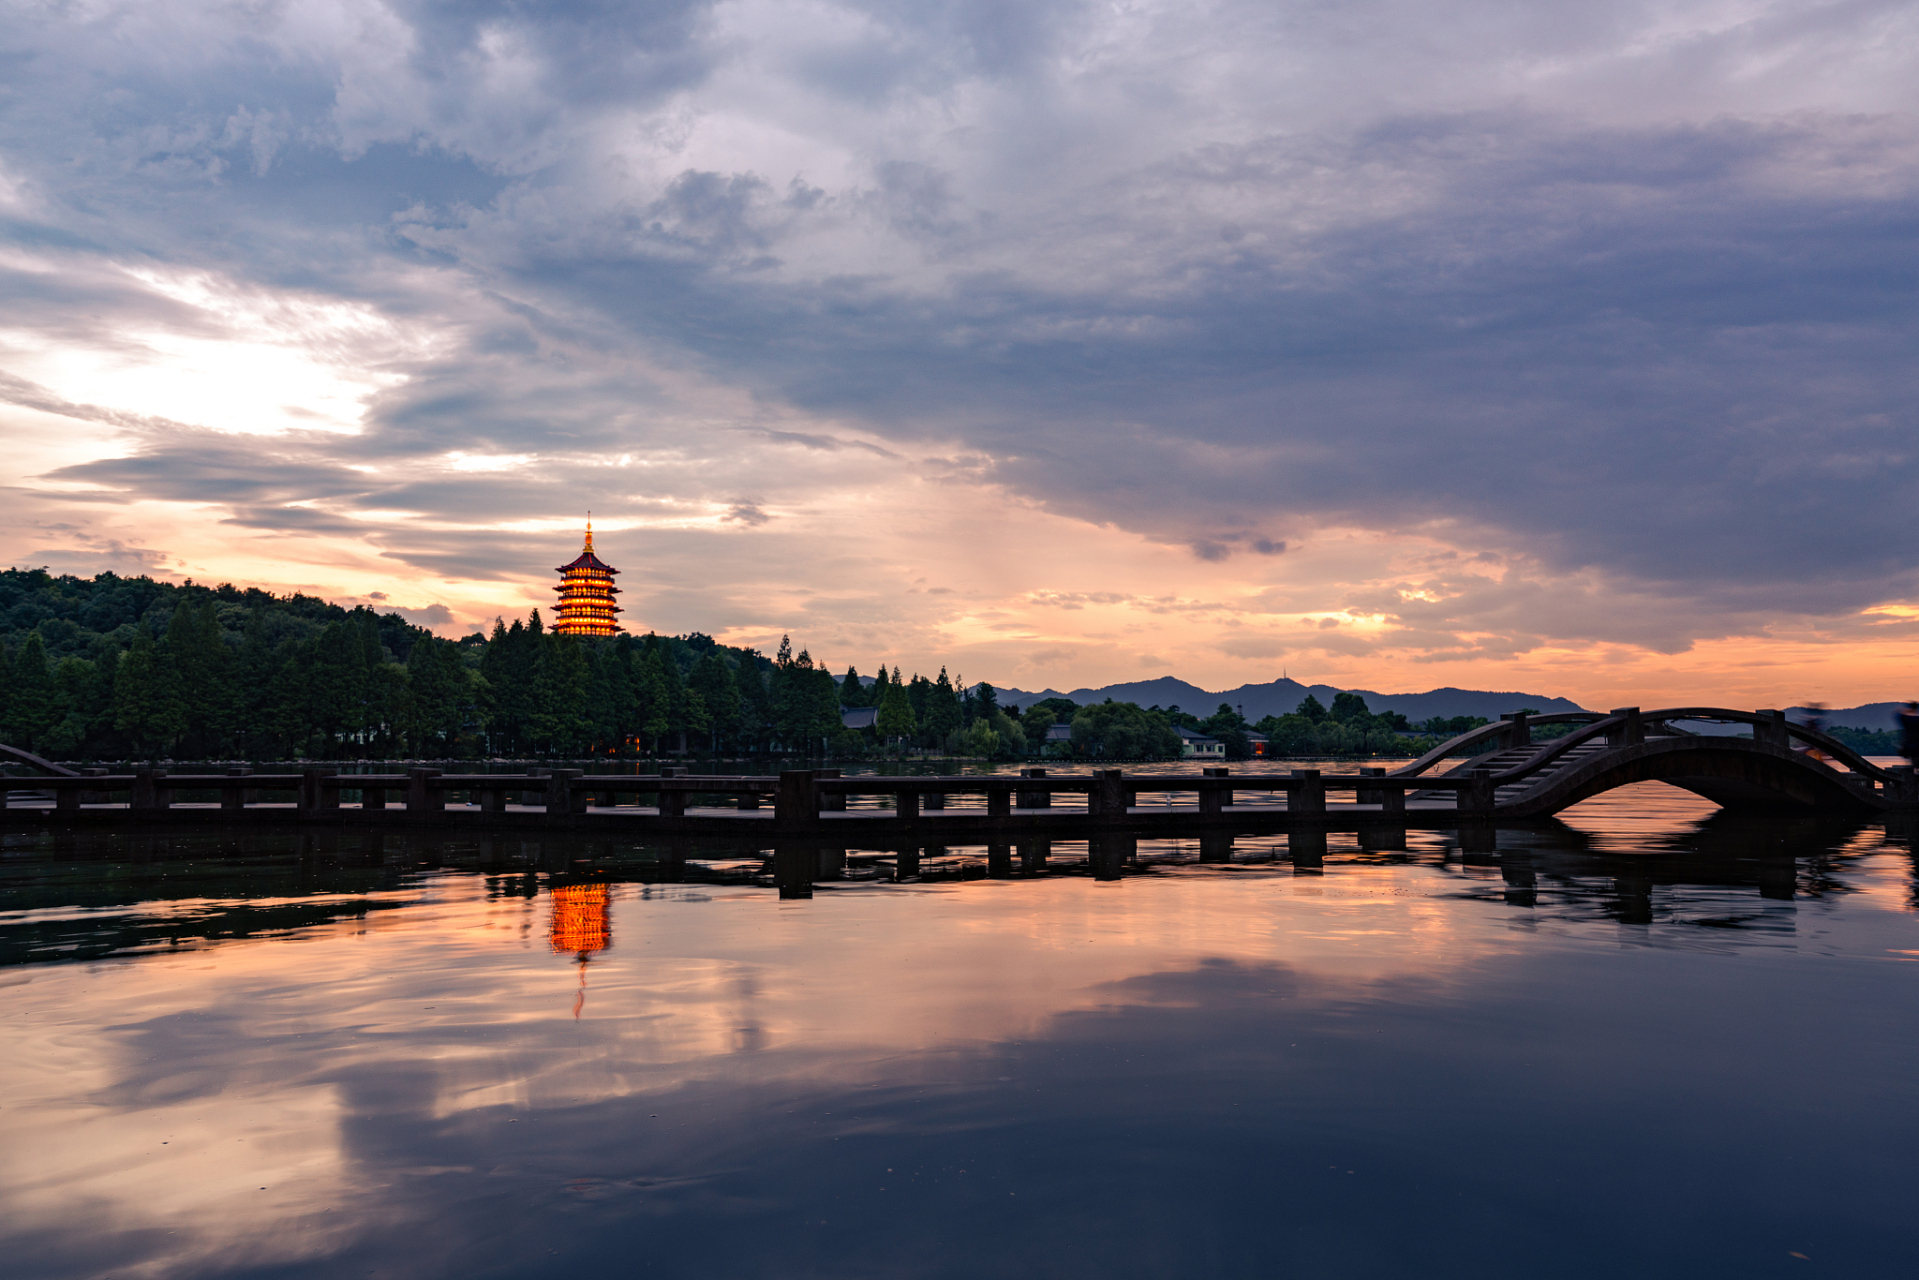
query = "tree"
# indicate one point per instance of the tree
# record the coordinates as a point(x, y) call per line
point(33, 708)
point(1122, 731)
point(75, 686)
point(199, 659)
point(896, 720)
point(1348, 707)
point(433, 695)
point(1229, 727)
point(942, 717)
point(1044, 714)
point(652, 693)
point(1311, 708)
point(713, 680)
point(146, 705)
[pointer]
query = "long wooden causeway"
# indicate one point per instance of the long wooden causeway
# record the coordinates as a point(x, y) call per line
point(1508, 776)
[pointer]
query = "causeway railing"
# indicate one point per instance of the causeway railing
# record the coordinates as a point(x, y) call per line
point(802, 794)
point(811, 797)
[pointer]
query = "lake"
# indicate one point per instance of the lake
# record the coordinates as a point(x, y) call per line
point(1649, 1039)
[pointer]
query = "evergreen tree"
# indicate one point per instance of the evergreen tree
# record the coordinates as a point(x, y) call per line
point(289, 705)
point(561, 689)
point(941, 718)
point(6, 689)
point(199, 658)
point(852, 692)
point(74, 687)
point(654, 694)
point(896, 720)
point(433, 696)
point(756, 699)
point(719, 691)
point(146, 704)
point(919, 693)
point(338, 691)
point(34, 707)
point(622, 700)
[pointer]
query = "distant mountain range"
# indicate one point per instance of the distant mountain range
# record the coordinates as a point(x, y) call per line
point(1256, 701)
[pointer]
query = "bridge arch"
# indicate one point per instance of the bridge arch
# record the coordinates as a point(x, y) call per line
point(1616, 749)
point(1734, 773)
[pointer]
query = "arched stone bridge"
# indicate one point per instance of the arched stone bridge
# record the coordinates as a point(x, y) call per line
point(1782, 765)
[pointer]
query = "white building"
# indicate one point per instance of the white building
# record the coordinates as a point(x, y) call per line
point(1196, 745)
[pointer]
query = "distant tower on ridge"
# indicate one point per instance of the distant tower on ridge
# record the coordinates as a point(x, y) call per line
point(586, 590)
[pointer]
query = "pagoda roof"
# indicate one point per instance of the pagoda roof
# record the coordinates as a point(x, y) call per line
point(587, 560)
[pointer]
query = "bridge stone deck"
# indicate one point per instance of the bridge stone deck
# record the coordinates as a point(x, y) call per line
point(1508, 777)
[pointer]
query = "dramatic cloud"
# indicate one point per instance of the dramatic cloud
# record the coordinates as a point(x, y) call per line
point(1046, 335)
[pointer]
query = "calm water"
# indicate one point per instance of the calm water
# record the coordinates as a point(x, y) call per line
point(1649, 1042)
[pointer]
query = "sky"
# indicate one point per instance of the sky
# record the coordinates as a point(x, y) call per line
point(1559, 348)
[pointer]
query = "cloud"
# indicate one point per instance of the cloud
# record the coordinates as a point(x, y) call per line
point(1623, 299)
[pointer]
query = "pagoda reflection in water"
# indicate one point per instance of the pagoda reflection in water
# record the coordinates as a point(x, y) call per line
point(582, 925)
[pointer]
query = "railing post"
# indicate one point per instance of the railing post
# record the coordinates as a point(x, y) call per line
point(1772, 728)
point(1030, 798)
point(1212, 801)
point(1631, 732)
point(999, 803)
point(1308, 795)
point(148, 793)
point(315, 795)
point(560, 792)
point(66, 798)
point(834, 802)
point(1521, 733)
point(906, 804)
point(1478, 795)
point(233, 797)
point(421, 798)
point(1108, 797)
point(1391, 799)
point(672, 804)
point(798, 801)
point(375, 797)
point(1370, 795)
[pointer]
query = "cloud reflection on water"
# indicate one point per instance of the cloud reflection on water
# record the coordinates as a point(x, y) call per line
point(412, 1092)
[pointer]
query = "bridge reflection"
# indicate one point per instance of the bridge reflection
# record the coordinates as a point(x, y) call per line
point(87, 895)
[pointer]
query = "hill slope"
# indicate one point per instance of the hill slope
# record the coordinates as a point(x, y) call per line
point(1257, 701)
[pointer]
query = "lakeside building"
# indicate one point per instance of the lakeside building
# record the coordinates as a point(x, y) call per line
point(586, 590)
point(1194, 745)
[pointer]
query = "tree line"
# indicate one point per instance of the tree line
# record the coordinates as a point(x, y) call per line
point(115, 668)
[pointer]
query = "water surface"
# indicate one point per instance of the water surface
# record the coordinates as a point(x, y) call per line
point(1646, 1040)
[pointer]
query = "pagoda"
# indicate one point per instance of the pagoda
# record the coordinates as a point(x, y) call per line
point(586, 590)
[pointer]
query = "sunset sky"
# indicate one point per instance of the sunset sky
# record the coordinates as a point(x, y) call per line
point(1566, 348)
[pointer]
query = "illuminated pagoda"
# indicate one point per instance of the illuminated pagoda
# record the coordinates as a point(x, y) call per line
point(586, 590)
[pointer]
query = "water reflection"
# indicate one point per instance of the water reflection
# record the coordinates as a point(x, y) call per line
point(1371, 1053)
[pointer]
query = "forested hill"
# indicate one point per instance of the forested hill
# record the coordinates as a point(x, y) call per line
point(120, 668)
